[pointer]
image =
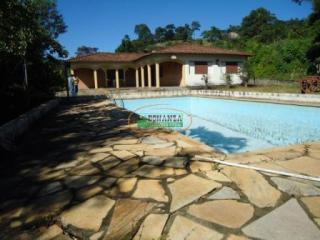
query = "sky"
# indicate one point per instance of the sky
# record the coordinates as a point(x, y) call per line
point(103, 23)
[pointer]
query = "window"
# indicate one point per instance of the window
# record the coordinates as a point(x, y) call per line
point(201, 67)
point(231, 67)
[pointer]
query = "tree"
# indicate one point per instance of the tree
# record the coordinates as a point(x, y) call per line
point(195, 26)
point(170, 32)
point(126, 45)
point(313, 53)
point(28, 43)
point(212, 35)
point(160, 34)
point(85, 50)
point(233, 28)
point(183, 33)
point(143, 32)
point(26, 22)
point(259, 22)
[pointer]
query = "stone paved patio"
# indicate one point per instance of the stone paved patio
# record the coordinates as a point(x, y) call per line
point(83, 173)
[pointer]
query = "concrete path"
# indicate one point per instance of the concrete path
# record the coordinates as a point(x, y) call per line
point(84, 173)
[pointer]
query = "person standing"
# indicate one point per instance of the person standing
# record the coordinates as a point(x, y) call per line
point(70, 85)
point(75, 85)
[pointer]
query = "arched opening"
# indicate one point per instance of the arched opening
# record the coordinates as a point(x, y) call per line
point(86, 77)
point(170, 74)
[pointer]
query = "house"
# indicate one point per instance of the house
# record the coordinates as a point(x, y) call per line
point(183, 64)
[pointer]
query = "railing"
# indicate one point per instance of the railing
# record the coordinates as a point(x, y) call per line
point(118, 101)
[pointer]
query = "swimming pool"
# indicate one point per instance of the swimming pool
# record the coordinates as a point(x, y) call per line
point(236, 126)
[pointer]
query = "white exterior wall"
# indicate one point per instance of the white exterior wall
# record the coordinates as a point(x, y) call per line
point(216, 72)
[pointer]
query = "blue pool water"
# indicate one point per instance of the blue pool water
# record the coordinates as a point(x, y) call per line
point(236, 126)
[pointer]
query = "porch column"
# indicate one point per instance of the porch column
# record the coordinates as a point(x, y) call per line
point(71, 71)
point(157, 75)
point(149, 75)
point(117, 79)
point(95, 78)
point(142, 77)
point(183, 76)
point(137, 77)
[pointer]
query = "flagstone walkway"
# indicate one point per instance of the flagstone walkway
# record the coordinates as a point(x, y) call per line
point(84, 173)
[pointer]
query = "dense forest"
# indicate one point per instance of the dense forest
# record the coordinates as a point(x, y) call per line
point(282, 50)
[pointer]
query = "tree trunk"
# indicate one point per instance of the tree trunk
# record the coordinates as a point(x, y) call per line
point(25, 72)
point(66, 68)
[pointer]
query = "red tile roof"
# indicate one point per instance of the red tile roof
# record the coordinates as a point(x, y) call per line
point(180, 48)
point(192, 48)
point(108, 57)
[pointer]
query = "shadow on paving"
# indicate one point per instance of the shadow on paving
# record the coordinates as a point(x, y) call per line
point(30, 177)
point(83, 159)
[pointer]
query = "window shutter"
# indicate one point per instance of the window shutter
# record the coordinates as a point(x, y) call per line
point(201, 67)
point(231, 67)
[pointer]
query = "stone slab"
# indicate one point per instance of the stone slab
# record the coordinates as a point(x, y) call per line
point(98, 156)
point(217, 176)
point(185, 229)
point(295, 188)
point(175, 162)
point(81, 181)
point(247, 158)
point(237, 237)
point(150, 171)
point(124, 168)
point(150, 189)
point(123, 154)
point(188, 189)
point(89, 214)
point(127, 141)
point(86, 169)
point(313, 205)
point(287, 222)
point(224, 193)
point(305, 165)
point(126, 185)
point(88, 192)
point(228, 213)
point(100, 150)
point(152, 227)
point(152, 140)
point(254, 186)
point(47, 206)
point(125, 218)
point(197, 166)
point(50, 233)
point(153, 160)
point(109, 163)
point(51, 188)
point(170, 151)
